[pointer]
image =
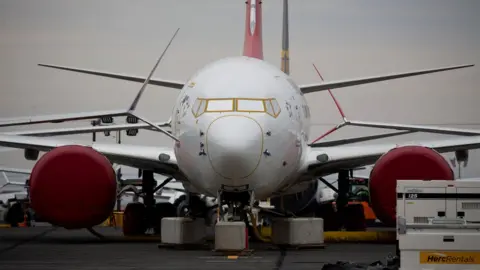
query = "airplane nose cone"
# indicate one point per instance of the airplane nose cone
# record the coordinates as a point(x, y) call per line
point(234, 146)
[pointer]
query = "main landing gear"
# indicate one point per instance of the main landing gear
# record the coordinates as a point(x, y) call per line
point(139, 218)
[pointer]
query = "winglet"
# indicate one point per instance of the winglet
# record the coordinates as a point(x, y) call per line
point(339, 108)
point(133, 106)
point(147, 80)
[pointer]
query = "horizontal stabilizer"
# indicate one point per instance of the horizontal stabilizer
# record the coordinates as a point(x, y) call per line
point(158, 82)
point(345, 83)
point(28, 120)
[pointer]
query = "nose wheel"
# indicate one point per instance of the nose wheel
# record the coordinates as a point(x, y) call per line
point(238, 200)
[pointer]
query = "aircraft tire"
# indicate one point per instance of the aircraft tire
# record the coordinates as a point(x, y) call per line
point(179, 200)
point(181, 209)
point(14, 215)
point(134, 219)
point(197, 207)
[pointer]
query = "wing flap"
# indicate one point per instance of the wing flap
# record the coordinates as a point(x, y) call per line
point(346, 83)
point(132, 78)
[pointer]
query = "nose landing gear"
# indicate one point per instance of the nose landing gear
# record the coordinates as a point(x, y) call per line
point(237, 201)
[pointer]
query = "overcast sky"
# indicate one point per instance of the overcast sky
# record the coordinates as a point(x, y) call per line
point(346, 39)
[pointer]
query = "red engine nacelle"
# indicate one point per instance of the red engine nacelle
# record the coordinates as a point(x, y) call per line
point(405, 163)
point(73, 187)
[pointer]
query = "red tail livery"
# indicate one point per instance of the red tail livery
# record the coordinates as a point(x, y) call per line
point(253, 46)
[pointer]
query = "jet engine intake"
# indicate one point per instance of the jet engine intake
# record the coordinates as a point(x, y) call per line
point(73, 187)
point(403, 163)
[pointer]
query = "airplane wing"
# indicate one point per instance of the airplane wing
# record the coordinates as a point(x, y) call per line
point(310, 88)
point(324, 161)
point(138, 156)
point(82, 130)
point(28, 120)
point(132, 78)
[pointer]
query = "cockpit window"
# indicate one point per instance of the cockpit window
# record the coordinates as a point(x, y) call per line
point(198, 107)
point(250, 105)
point(202, 107)
point(269, 108)
point(276, 107)
point(219, 105)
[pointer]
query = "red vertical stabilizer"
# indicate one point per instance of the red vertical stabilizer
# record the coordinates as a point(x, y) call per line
point(253, 46)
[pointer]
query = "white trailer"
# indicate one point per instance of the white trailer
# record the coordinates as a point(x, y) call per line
point(438, 224)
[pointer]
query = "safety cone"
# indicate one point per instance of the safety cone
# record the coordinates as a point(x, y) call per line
point(24, 223)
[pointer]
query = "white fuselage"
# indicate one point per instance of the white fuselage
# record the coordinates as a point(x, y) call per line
point(240, 121)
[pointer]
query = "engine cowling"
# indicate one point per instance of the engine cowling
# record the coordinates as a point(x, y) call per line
point(405, 163)
point(73, 187)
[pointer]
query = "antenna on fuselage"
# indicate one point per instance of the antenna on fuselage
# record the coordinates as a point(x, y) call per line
point(133, 106)
point(285, 58)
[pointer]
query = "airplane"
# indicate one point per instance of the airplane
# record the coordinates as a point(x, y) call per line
point(240, 131)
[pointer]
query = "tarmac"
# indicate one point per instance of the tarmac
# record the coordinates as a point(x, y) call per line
point(45, 247)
